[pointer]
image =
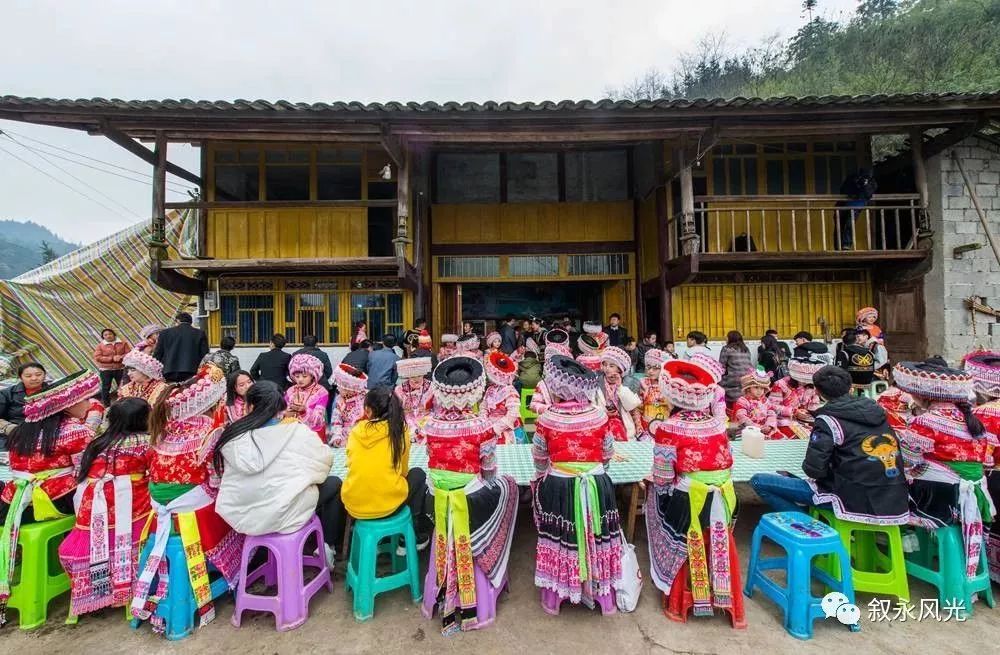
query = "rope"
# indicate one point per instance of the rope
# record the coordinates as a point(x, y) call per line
point(974, 305)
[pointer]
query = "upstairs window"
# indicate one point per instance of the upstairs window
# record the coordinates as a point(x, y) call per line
point(597, 176)
point(286, 174)
point(468, 177)
point(237, 174)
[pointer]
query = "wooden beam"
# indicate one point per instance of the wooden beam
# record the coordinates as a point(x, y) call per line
point(919, 169)
point(158, 222)
point(275, 204)
point(145, 154)
point(386, 265)
point(666, 310)
point(392, 145)
point(689, 237)
point(534, 248)
point(402, 210)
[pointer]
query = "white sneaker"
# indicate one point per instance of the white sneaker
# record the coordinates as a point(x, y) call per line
point(421, 545)
point(331, 555)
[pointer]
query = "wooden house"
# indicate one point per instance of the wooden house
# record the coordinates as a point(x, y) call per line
point(679, 215)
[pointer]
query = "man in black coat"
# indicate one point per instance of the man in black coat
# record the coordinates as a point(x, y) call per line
point(508, 335)
point(358, 358)
point(273, 364)
point(180, 349)
point(617, 336)
point(309, 348)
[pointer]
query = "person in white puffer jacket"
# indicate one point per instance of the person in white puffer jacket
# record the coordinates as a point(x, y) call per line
point(275, 473)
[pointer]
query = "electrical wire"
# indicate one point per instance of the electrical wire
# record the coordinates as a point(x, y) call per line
point(171, 186)
point(71, 188)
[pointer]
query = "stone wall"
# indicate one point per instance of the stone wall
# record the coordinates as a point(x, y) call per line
point(955, 223)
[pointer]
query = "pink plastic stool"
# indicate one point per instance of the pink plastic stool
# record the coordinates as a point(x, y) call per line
point(285, 567)
point(551, 602)
point(486, 595)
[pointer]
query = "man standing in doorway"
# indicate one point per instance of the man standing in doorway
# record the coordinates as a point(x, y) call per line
point(617, 336)
point(180, 349)
point(508, 335)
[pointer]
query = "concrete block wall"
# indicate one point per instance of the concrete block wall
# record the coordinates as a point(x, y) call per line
point(955, 223)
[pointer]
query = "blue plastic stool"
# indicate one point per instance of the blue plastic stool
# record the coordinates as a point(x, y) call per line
point(803, 538)
point(372, 537)
point(940, 561)
point(177, 607)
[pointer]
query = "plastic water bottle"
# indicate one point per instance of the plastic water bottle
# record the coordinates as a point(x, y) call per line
point(753, 442)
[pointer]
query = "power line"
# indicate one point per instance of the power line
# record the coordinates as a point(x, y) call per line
point(76, 154)
point(83, 182)
point(71, 188)
point(180, 189)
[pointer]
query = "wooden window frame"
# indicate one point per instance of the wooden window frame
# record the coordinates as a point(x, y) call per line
point(808, 157)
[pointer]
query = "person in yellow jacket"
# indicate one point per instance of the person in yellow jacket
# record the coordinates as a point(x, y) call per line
point(379, 480)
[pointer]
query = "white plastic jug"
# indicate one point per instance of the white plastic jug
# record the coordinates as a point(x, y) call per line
point(753, 442)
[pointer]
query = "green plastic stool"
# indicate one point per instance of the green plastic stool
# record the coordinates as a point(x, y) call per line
point(373, 537)
point(946, 546)
point(527, 416)
point(39, 543)
point(873, 571)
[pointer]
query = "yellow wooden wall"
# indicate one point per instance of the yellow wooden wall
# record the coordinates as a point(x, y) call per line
point(291, 233)
point(532, 222)
point(619, 297)
point(650, 264)
point(769, 219)
point(753, 308)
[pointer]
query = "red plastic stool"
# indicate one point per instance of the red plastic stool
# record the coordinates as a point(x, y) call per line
point(678, 604)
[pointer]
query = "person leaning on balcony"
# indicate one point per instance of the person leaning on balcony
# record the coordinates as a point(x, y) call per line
point(859, 188)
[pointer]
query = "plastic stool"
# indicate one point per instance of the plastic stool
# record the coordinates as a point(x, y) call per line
point(527, 416)
point(551, 602)
point(946, 545)
point(872, 571)
point(366, 545)
point(677, 605)
point(486, 594)
point(39, 584)
point(285, 568)
point(178, 607)
point(802, 538)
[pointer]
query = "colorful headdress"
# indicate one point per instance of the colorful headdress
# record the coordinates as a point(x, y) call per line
point(449, 339)
point(984, 367)
point(934, 382)
point(758, 377)
point(458, 382)
point(468, 343)
point(866, 314)
point(198, 395)
point(710, 365)
point(414, 367)
point(687, 385)
point(655, 357)
point(592, 328)
point(424, 340)
point(149, 331)
point(618, 357)
point(303, 363)
point(61, 395)
point(146, 364)
point(592, 344)
point(493, 339)
point(568, 379)
point(500, 368)
point(801, 369)
point(473, 425)
point(348, 378)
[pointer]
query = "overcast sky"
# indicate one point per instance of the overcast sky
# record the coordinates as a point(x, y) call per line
point(415, 50)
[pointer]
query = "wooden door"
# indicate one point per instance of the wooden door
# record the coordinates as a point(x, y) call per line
point(901, 317)
point(449, 318)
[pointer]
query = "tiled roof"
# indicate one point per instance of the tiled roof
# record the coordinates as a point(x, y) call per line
point(16, 103)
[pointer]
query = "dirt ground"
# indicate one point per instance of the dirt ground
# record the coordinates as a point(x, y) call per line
point(521, 627)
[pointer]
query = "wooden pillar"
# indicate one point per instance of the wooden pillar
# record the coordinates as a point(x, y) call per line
point(665, 325)
point(689, 236)
point(919, 168)
point(158, 224)
point(403, 207)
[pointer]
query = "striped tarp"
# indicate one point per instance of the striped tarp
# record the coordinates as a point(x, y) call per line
point(55, 313)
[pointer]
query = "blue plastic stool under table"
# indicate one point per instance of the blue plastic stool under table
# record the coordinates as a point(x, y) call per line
point(803, 538)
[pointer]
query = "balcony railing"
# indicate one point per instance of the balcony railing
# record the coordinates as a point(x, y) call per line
point(798, 224)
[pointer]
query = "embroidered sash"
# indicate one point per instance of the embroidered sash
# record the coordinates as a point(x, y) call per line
point(723, 502)
point(586, 504)
point(453, 537)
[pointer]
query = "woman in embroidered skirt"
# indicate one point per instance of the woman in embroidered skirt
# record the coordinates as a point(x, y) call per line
point(945, 448)
point(44, 453)
point(145, 374)
point(474, 509)
point(580, 543)
point(984, 367)
point(349, 408)
point(184, 426)
point(101, 552)
point(237, 385)
point(795, 398)
point(414, 394)
point(690, 511)
point(306, 399)
point(501, 402)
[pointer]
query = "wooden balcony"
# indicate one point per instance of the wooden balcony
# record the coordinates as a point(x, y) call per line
point(764, 230)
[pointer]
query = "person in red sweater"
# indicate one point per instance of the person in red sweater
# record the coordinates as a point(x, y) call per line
point(108, 356)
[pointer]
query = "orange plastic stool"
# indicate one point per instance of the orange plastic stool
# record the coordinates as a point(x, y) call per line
point(678, 604)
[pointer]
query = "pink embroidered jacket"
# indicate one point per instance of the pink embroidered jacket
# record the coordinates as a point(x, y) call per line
point(314, 398)
point(786, 401)
point(417, 402)
point(754, 411)
point(346, 413)
point(502, 405)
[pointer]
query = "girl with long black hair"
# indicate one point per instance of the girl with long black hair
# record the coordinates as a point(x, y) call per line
point(274, 471)
point(112, 506)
